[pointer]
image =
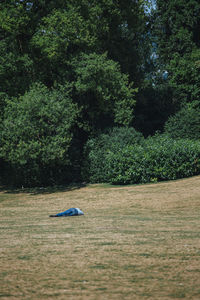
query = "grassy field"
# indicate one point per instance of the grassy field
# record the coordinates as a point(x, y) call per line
point(134, 242)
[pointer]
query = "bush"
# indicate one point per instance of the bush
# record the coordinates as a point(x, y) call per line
point(103, 90)
point(37, 136)
point(155, 159)
point(185, 123)
point(95, 169)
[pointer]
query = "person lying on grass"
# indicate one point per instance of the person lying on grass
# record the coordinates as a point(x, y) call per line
point(69, 213)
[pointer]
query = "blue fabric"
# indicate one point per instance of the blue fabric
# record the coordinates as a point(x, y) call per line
point(68, 212)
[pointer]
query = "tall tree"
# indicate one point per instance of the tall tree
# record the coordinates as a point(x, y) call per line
point(16, 65)
point(115, 27)
point(87, 45)
point(103, 92)
point(38, 38)
point(38, 135)
point(178, 39)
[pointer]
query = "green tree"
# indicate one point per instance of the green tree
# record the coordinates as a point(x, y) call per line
point(103, 92)
point(115, 27)
point(15, 62)
point(185, 123)
point(39, 40)
point(62, 43)
point(38, 134)
point(177, 32)
point(185, 76)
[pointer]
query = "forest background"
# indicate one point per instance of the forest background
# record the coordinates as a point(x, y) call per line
point(99, 91)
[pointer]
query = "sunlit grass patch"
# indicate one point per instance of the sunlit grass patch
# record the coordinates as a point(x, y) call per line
point(134, 242)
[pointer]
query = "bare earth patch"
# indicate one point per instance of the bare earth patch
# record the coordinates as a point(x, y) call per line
point(134, 242)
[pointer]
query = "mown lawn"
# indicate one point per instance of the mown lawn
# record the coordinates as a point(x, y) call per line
point(134, 242)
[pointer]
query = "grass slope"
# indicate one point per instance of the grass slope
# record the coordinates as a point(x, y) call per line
point(134, 242)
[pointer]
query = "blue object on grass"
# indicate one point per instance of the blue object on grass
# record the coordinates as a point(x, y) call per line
point(69, 213)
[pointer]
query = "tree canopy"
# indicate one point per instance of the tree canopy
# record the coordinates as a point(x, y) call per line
point(70, 70)
point(177, 26)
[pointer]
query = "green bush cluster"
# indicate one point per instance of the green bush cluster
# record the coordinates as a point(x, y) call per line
point(38, 136)
point(185, 123)
point(96, 150)
point(154, 159)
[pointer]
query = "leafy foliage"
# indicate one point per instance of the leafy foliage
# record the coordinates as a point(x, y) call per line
point(185, 76)
point(103, 90)
point(38, 40)
point(155, 159)
point(185, 123)
point(96, 150)
point(71, 69)
point(61, 31)
point(37, 133)
point(177, 34)
point(56, 43)
point(153, 107)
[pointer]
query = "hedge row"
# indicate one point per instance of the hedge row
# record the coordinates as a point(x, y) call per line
point(154, 159)
point(185, 123)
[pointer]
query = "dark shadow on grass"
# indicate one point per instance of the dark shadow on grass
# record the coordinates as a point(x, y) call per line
point(42, 190)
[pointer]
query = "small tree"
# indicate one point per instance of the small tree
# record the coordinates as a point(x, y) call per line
point(37, 134)
point(102, 90)
point(185, 123)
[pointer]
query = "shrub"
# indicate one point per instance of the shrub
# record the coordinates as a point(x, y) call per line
point(159, 159)
point(37, 136)
point(95, 169)
point(185, 123)
point(155, 159)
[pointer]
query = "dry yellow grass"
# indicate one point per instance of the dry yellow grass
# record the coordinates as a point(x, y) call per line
point(134, 242)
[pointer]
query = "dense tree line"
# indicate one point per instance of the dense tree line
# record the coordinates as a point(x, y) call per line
point(70, 70)
point(177, 27)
